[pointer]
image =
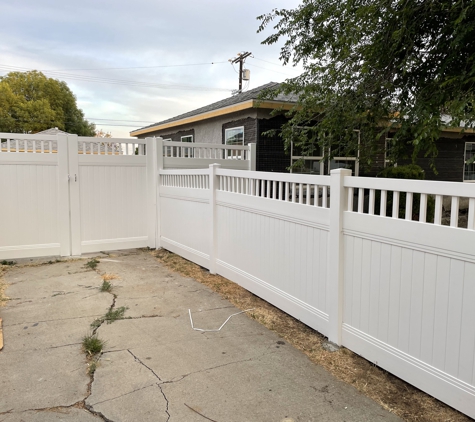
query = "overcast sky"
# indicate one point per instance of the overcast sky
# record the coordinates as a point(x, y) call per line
point(84, 42)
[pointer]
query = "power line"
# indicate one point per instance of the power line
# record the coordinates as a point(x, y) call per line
point(266, 61)
point(120, 120)
point(85, 78)
point(270, 70)
point(136, 67)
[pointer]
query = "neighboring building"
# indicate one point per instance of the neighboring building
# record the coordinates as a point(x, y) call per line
point(243, 119)
point(238, 120)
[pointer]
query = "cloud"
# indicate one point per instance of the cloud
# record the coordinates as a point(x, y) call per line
point(71, 37)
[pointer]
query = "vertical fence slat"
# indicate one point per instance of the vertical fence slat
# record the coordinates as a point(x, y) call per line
point(360, 200)
point(454, 211)
point(423, 208)
point(325, 196)
point(383, 203)
point(409, 200)
point(395, 213)
point(371, 202)
point(438, 210)
point(471, 214)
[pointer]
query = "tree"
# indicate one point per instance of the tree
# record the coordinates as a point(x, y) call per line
point(31, 102)
point(381, 66)
point(99, 133)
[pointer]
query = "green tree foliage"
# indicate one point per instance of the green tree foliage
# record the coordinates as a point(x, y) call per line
point(30, 102)
point(377, 66)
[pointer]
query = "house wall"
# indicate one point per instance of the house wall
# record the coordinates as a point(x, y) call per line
point(208, 131)
point(449, 163)
point(271, 155)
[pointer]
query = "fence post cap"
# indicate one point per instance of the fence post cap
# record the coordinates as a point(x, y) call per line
point(343, 172)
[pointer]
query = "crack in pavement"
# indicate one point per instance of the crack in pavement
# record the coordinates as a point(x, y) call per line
point(158, 384)
point(123, 395)
point(50, 320)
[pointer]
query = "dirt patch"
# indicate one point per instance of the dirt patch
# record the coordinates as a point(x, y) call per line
point(390, 392)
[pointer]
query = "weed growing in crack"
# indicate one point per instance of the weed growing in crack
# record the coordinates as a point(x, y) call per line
point(97, 323)
point(92, 367)
point(106, 286)
point(115, 314)
point(10, 263)
point(92, 264)
point(92, 344)
point(111, 316)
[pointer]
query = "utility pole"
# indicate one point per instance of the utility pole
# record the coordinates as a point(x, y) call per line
point(241, 57)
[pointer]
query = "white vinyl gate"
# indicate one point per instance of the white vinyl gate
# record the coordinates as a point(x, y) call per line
point(67, 195)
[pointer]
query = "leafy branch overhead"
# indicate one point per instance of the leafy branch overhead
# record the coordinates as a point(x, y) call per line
point(377, 66)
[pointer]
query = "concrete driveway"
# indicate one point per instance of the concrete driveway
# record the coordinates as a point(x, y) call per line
point(154, 366)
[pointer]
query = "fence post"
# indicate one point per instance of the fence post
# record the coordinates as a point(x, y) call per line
point(159, 143)
point(63, 195)
point(213, 187)
point(151, 151)
point(158, 178)
point(252, 157)
point(338, 201)
point(74, 197)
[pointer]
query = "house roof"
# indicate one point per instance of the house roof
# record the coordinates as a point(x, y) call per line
point(241, 101)
point(53, 131)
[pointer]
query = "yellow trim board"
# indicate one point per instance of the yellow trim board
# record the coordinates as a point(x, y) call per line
point(246, 105)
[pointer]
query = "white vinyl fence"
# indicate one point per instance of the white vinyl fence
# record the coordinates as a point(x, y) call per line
point(186, 155)
point(396, 286)
point(334, 252)
point(67, 195)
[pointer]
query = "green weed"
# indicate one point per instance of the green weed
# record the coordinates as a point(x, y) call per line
point(92, 264)
point(11, 263)
point(92, 344)
point(115, 314)
point(106, 286)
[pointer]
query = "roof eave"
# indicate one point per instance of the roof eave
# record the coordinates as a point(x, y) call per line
point(280, 105)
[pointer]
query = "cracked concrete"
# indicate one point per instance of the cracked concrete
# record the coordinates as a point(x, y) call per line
point(154, 367)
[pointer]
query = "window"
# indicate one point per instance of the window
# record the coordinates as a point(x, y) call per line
point(306, 164)
point(316, 164)
point(187, 152)
point(234, 136)
point(469, 167)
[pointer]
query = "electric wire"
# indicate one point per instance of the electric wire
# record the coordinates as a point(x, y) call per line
point(85, 78)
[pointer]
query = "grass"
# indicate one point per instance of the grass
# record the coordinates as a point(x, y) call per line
point(106, 282)
point(10, 263)
point(111, 316)
point(92, 344)
point(392, 393)
point(115, 314)
point(92, 367)
point(92, 264)
point(106, 286)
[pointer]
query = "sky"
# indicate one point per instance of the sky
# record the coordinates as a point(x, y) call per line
point(133, 63)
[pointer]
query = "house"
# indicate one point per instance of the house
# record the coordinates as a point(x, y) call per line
point(238, 120)
point(243, 119)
